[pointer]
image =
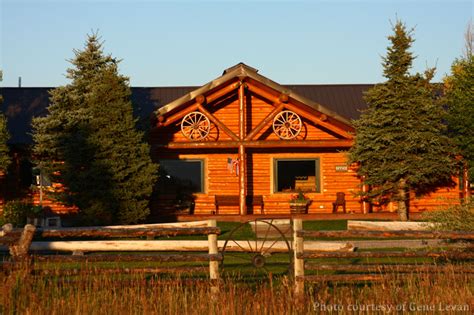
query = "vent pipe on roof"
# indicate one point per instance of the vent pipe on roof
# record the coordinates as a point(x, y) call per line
point(19, 82)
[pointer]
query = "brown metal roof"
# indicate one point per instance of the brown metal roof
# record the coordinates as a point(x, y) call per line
point(21, 104)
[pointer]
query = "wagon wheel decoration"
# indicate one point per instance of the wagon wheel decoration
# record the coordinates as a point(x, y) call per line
point(266, 253)
point(287, 125)
point(195, 126)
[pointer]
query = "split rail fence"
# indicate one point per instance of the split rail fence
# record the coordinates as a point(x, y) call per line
point(308, 266)
point(370, 271)
point(19, 241)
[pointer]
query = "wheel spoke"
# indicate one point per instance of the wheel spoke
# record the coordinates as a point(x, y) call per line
point(236, 243)
point(244, 256)
point(250, 245)
point(266, 235)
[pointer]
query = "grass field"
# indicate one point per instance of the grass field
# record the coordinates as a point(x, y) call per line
point(420, 293)
point(243, 289)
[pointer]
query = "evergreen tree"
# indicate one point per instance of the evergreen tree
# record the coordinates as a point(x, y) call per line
point(89, 142)
point(4, 136)
point(399, 143)
point(459, 93)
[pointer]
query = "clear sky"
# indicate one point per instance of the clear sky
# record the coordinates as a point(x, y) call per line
point(175, 43)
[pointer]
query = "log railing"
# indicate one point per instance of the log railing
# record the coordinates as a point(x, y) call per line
point(375, 271)
point(19, 242)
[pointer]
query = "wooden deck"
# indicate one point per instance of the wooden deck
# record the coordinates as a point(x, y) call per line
point(323, 216)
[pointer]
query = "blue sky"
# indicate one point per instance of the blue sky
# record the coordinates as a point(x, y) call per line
point(174, 43)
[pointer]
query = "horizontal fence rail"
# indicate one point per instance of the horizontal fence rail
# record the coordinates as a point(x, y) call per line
point(19, 243)
point(363, 270)
point(388, 234)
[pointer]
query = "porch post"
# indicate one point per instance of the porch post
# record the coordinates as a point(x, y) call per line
point(365, 204)
point(466, 188)
point(242, 159)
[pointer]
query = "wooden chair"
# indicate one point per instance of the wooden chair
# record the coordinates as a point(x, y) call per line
point(340, 201)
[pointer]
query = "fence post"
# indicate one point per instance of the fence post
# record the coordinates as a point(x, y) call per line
point(21, 249)
point(213, 264)
point(298, 249)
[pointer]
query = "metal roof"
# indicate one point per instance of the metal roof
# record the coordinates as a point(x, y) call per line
point(22, 104)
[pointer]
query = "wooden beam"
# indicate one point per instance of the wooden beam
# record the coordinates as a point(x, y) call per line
point(257, 90)
point(242, 157)
point(454, 254)
point(128, 257)
point(365, 203)
point(21, 249)
point(319, 121)
point(264, 122)
point(384, 234)
point(267, 144)
point(217, 122)
point(208, 99)
point(173, 118)
point(469, 268)
point(222, 92)
point(117, 232)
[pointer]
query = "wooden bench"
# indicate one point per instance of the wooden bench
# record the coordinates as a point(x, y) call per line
point(233, 200)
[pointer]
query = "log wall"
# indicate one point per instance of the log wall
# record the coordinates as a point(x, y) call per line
point(219, 180)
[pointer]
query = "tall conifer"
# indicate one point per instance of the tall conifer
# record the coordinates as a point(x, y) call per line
point(459, 92)
point(4, 136)
point(88, 142)
point(399, 144)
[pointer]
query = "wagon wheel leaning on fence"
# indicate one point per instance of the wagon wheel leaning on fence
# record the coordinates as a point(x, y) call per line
point(266, 252)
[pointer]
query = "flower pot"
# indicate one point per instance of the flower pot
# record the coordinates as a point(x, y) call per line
point(298, 207)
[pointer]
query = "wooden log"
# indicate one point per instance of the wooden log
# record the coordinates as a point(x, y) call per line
point(7, 228)
point(298, 246)
point(386, 234)
point(92, 271)
point(454, 254)
point(218, 123)
point(21, 249)
point(179, 115)
point(200, 99)
point(340, 143)
point(140, 232)
point(187, 224)
point(268, 245)
point(405, 268)
point(344, 278)
point(388, 226)
point(213, 265)
point(326, 124)
point(6, 236)
point(127, 258)
point(264, 122)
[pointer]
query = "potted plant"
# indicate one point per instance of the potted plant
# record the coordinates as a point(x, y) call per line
point(299, 203)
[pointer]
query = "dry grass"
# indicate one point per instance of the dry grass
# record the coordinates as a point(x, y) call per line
point(141, 294)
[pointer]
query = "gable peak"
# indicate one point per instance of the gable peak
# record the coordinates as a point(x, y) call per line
point(240, 65)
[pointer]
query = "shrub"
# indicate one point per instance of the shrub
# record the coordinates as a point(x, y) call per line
point(455, 218)
point(16, 212)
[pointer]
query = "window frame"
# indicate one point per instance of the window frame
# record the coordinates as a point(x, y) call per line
point(202, 163)
point(317, 172)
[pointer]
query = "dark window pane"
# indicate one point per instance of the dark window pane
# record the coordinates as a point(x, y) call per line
point(181, 176)
point(294, 175)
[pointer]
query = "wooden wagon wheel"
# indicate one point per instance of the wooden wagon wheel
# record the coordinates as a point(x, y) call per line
point(287, 125)
point(195, 126)
point(267, 252)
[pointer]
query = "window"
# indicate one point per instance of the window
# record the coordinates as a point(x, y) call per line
point(296, 174)
point(181, 176)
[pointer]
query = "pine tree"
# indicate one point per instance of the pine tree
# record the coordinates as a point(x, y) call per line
point(399, 143)
point(459, 93)
point(5, 159)
point(89, 142)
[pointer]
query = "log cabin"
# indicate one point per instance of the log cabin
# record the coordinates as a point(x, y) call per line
point(244, 144)
point(240, 144)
